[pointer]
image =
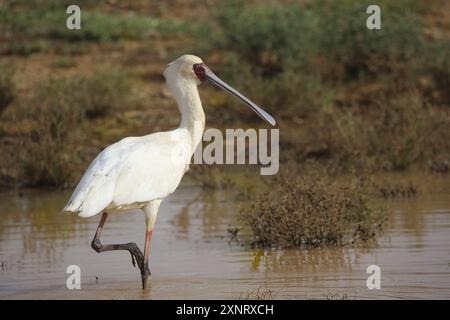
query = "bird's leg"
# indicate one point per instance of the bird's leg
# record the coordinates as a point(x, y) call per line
point(150, 211)
point(136, 254)
point(145, 272)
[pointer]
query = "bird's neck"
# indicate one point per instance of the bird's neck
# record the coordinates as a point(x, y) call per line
point(190, 106)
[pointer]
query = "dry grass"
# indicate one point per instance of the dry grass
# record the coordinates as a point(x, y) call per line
point(399, 189)
point(312, 212)
point(7, 86)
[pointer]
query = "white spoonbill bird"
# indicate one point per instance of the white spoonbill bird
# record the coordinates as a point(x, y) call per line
point(140, 172)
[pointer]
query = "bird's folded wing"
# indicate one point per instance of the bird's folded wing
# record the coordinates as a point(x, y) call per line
point(134, 170)
point(96, 188)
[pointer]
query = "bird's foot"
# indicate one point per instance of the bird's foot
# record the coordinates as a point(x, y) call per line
point(96, 245)
point(145, 273)
point(138, 258)
point(136, 255)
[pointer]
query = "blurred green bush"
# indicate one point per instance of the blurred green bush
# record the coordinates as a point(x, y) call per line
point(37, 27)
point(57, 112)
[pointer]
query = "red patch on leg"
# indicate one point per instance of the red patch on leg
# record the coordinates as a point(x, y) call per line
point(148, 237)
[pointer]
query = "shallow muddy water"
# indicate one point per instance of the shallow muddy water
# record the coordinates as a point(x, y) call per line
point(192, 256)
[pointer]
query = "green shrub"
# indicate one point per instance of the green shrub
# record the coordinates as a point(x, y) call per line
point(100, 94)
point(57, 113)
point(54, 122)
point(391, 134)
point(98, 26)
point(267, 36)
point(273, 37)
point(435, 70)
point(30, 27)
point(63, 63)
point(354, 52)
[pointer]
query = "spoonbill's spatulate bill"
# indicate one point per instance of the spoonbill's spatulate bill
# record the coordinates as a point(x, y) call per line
point(140, 172)
point(204, 73)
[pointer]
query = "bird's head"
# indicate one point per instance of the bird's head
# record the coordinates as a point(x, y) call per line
point(192, 68)
point(182, 68)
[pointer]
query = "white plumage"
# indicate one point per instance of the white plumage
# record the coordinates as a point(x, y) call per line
point(136, 170)
point(131, 173)
point(139, 172)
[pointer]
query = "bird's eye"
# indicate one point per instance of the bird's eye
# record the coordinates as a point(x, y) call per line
point(200, 71)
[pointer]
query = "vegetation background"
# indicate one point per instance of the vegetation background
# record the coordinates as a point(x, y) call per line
point(349, 101)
